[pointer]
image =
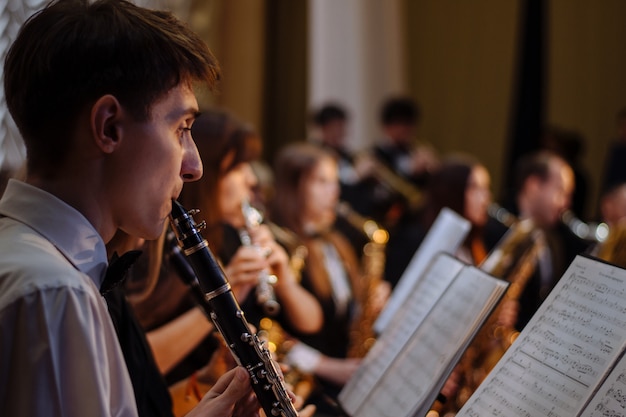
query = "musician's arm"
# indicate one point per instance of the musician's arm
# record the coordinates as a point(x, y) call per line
point(188, 330)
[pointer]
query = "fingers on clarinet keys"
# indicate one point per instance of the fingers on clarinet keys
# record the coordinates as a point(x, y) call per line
point(266, 251)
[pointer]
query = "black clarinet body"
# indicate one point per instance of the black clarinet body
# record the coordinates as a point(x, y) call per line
point(228, 317)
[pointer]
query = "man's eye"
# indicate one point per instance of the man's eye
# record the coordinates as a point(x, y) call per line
point(182, 131)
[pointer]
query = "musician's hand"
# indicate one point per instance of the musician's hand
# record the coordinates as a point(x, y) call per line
point(276, 255)
point(232, 395)
point(424, 159)
point(451, 387)
point(380, 295)
point(509, 310)
point(244, 269)
point(337, 370)
point(307, 411)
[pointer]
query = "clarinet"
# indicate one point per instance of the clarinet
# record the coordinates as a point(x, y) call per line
point(228, 317)
point(265, 295)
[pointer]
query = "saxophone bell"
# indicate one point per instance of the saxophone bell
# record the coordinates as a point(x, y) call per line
point(362, 336)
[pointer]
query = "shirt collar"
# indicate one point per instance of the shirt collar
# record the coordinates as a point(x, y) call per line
point(64, 226)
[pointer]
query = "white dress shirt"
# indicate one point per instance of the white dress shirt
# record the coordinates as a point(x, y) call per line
point(59, 355)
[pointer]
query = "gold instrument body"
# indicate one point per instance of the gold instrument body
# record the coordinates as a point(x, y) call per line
point(613, 249)
point(362, 335)
point(392, 180)
point(514, 260)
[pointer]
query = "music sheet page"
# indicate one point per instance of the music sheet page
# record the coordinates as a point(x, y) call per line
point(445, 235)
point(564, 352)
point(437, 277)
point(610, 400)
point(409, 364)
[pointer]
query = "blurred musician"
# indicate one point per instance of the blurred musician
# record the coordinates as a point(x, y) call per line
point(305, 202)
point(544, 184)
point(613, 214)
point(226, 147)
point(462, 184)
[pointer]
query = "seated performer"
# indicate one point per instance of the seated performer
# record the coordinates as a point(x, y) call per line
point(462, 184)
point(106, 127)
point(226, 146)
point(305, 202)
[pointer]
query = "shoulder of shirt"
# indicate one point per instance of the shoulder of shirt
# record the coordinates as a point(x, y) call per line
point(32, 264)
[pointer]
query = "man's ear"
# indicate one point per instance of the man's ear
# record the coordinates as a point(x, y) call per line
point(106, 116)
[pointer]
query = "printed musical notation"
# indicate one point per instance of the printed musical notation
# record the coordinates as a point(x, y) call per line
point(610, 401)
point(565, 351)
point(404, 371)
point(437, 276)
point(445, 235)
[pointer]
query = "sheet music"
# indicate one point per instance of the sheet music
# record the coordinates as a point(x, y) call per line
point(436, 278)
point(407, 367)
point(563, 352)
point(445, 235)
point(610, 401)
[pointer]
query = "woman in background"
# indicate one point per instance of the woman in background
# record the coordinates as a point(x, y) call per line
point(306, 196)
point(462, 184)
point(226, 147)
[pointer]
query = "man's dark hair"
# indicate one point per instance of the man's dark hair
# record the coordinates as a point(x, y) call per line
point(535, 164)
point(71, 53)
point(402, 110)
point(329, 113)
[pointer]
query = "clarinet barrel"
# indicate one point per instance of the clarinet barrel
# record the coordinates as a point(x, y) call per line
point(228, 317)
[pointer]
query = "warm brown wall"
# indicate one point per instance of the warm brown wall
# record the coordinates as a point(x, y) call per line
point(261, 48)
point(461, 61)
point(460, 58)
point(235, 32)
point(587, 74)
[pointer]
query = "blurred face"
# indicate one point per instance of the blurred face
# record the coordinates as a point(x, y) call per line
point(400, 133)
point(477, 196)
point(234, 187)
point(613, 206)
point(155, 158)
point(334, 132)
point(553, 196)
point(321, 195)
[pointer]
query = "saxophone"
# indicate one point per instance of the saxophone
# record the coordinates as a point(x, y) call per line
point(362, 336)
point(228, 317)
point(613, 249)
point(513, 260)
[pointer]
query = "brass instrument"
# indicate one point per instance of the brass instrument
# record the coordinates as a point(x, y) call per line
point(393, 181)
point(279, 342)
point(613, 249)
point(591, 232)
point(362, 336)
point(513, 260)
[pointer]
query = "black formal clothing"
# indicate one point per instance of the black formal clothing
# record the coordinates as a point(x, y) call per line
point(151, 392)
point(561, 247)
point(169, 299)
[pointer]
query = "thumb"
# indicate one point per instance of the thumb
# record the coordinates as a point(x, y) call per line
point(233, 381)
point(239, 385)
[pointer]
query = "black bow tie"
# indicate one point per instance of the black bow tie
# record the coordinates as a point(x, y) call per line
point(117, 269)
